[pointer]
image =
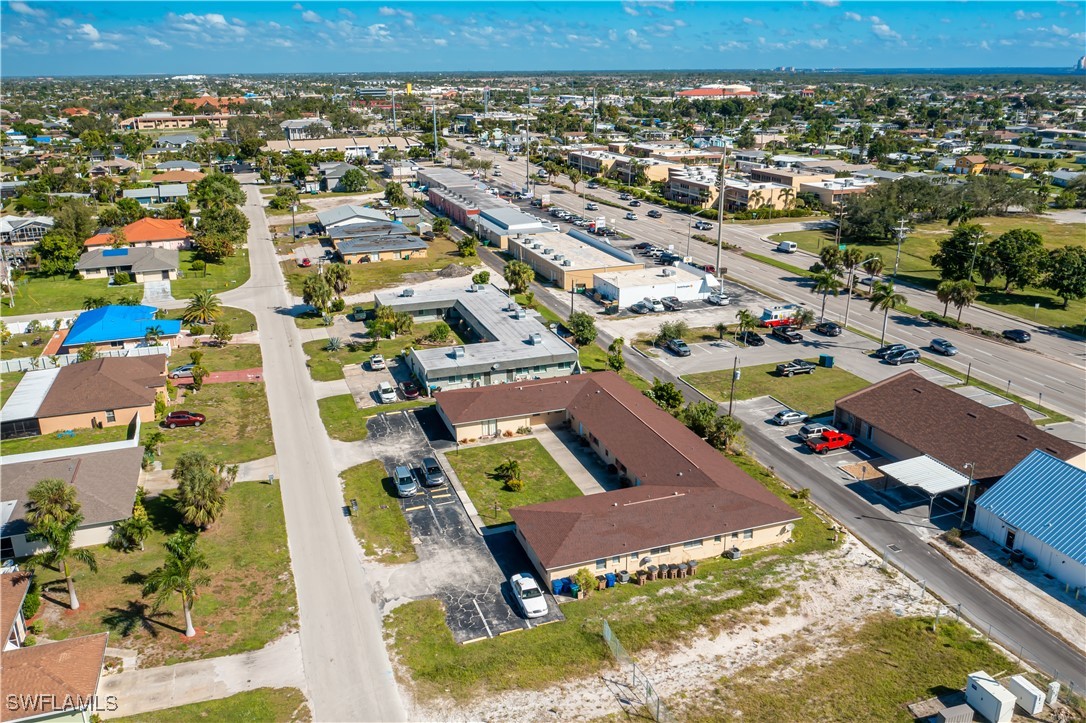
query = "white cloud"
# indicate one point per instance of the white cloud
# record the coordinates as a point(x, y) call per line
point(984, 45)
point(1057, 30)
point(629, 9)
point(103, 46)
point(1023, 15)
point(636, 40)
point(441, 42)
point(612, 35)
point(408, 17)
point(13, 41)
point(346, 13)
point(23, 9)
point(754, 21)
point(731, 45)
point(679, 23)
point(853, 16)
point(829, 3)
point(311, 17)
point(885, 32)
point(155, 42)
point(296, 6)
point(818, 43)
point(89, 32)
point(1007, 42)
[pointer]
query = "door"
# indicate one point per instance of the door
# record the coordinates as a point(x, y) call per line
point(165, 275)
point(1010, 539)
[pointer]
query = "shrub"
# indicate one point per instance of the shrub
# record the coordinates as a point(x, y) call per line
point(514, 485)
point(32, 601)
point(585, 580)
point(36, 627)
point(30, 641)
point(338, 304)
point(440, 333)
point(953, 537)
point(121, 278)
point(334, 344)
point(198, 266)
point(524, 430)
point(196, 330)
point(803, 493)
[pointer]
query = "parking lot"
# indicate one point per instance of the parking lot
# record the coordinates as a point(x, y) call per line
point(467, 571)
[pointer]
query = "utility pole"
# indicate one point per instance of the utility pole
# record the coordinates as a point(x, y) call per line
point(968, 489)
point(900, 231)
point(593, 111)
point(528, 141)
point(293, 228)
point(720, 214)
point(735, 378)
point(394, 127)
point(976, 247)
point(435, 130)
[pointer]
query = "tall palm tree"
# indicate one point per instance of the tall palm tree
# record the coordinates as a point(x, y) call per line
point(317, 292)
point(885, 297)
point(181, 574)
point(875, 264)
point(788, 197)
point(826, 283)
point(60, 541)
point(51, 501)
point(746, 320)
point(964, 294)
point(203, 308)
point(944, 292)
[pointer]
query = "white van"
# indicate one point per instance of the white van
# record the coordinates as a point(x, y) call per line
point(787, 247)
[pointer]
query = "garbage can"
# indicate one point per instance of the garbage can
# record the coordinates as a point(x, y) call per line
point(574, 589)
point(610, 579)
point(825, 360)
point(556, 586)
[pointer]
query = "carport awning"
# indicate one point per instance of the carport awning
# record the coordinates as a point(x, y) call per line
point(927, 473)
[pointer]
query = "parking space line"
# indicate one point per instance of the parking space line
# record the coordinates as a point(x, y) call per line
point(482, 617)
point(412, 509)
point(436, 497)
point(514, 630)
point(436, 522)
point(442, 504)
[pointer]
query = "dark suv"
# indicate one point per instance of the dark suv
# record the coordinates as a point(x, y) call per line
point(796, 366)
point(786, 334)
point(829, 328)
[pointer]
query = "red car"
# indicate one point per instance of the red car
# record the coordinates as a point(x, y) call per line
point(410, 390)
point(305, 263)
point(184, 419)
point(829, 440)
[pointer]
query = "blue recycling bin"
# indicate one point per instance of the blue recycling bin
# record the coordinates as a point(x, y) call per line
point(610, 579)
point(825, 360)
point(556, 586)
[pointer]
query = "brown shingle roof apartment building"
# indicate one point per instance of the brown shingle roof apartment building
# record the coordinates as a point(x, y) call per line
point(686, 500)
point(907, 416)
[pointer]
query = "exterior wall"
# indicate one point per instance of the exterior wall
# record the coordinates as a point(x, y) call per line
point(690, 192)
point(873, 437)
point(737, 198)
point(785, 177)
point(123, 417)
point(451, 379)
point(830, 197)
point(564, 276)
point(628, 295)
point(1066, 570)
point(89, 536)
point(144, 277)
point(478, 430)
point(383, 256)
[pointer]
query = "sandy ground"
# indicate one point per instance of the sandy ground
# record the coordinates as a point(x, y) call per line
point(833, 591)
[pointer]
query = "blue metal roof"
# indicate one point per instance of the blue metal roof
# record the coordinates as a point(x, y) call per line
point(1046, 498)
point(118, 323)
point(115, 252)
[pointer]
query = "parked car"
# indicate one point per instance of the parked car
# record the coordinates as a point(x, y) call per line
point(786, 334)
point(654, 214)
point(944, 347)
point(678, 347)
point(410, 390)
point(889, 349)
point(386, 392)
point(807, 431)
point(671, 303)
point(788, 417)
point(377, 362)
point(185, 370)
point(305, 263)
point(655, 304)
point(635, 203)
point(643, 246)
point(631, 216)
point(528, 593)
point(641, 308)
point(1019, 336)
point(432, 474)
point(406, 486)
point(796, 366)
point(751, 338)
point(703, 226)
point(905, 356)
point(183, 419)
point(718, 299)
point(830, 440)
point(829, 328)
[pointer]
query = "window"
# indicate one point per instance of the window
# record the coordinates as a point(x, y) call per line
point(111, 416)
point(660, 550)
point(691, 545)
point(748, 534)
point(616, 560)
point(717, 538)
point(735, 535)
point(601, 564)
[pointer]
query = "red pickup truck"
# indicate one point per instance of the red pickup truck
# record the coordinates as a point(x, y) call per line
point(830, 440)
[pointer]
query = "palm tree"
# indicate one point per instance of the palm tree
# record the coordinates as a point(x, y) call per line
point(826, 283)
point(317, 292)
point(959, 214)
point(153, 334)
point(721, 329)
point(802, 317)
point(51, 501)
point(885, 297)
point(518, 275)
point(203, 308)
point(964, 294)
point(788, 197)
point(180, 574)
point(339, 276)
point(875, 264)
point(200, 497)
point(746, 319)
point(945, 293)
point(60, 541)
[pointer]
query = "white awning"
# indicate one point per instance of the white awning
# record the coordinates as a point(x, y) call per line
point(927, 473)
point(29, 394)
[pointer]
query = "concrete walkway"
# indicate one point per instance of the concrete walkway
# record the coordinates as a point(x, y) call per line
point(331, 389)
point(277, 665)
point(580, 463)
point(159, 480)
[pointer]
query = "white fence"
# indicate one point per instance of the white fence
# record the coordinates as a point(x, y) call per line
point(32, 363)
point(45, 325)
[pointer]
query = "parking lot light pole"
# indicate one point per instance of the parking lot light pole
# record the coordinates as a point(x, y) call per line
point(735, 378)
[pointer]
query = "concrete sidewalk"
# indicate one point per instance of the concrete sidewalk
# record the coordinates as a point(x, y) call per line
point(582, 465)
point(278, 665)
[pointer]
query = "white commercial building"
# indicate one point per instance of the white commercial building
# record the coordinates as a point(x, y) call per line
point(628, 287)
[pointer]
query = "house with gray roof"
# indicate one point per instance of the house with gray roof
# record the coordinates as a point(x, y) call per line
point(166, 193)
point(332, 175)
point(178, 166)
point(176, 141)
point(350, 214)
point(298, 129)
point(144, 263)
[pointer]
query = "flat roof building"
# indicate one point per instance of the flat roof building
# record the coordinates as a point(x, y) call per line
point(570, 261)
point(628, 287)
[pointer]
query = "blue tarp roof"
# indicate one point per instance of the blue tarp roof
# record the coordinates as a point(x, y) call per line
point(117, 323)
point(1046, 498)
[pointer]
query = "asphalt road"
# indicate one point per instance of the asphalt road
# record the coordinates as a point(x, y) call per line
point(347, 668)
point(1050, 369)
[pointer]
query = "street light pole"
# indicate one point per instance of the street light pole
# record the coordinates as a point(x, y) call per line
point(968, 489)
point(720, 215)
point(735, 378)
point(293, 227)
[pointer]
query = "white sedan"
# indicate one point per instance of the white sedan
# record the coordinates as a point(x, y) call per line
point(529, 595)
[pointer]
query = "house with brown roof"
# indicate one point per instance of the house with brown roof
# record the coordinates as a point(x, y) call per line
point(54, 681)
point(969, 165)
point(177, 177)
point(683, 500)
point(13, 589)
point(162, 233)
point(907, 416)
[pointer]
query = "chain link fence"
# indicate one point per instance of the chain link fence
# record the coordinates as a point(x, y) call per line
point(639, 682)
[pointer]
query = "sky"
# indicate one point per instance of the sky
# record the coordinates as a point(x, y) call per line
point(126, 38)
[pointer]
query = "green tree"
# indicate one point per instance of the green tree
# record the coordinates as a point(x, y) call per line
point(221, 333)
point(441, 225)
point(199, 374)
point(507, 470)
point(583, 328)
point(956, 254)
point(181, 574)
point(721, 329)
point(129, 211)
point(963, 295)
point(218, 191)
point(518, 275)
point(87, 352)
point(747, 320)
point(200, 498)
point(338, 277)
point(51, 501)
point(666, 395)
point(214, 248)
point(669, 330)
point(1065, 272)
point(1020, 253)
point(482, 277)
point(944, 292)
point(802, 317)
point(831, 258)
point(466, 247)
point(59, 539)
point(94, 302)
point(203, 308)
point(616, 362)
point(58, 253)
point(133, 532)
point(396, 196)
point(885, 297)
point(826, 283)
point(224, 223)
point(316, 292)
point(353, 181)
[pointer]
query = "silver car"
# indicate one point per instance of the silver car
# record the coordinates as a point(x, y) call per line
point(789, 416)
point(432, 474)
point(944, 347)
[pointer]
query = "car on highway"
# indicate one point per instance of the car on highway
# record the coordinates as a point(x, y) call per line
point(635, 203)
point(410, 390)
point(814, 429)
point(703, 226)
point(654, 304)
point(672, 303)
point(377, 362)
point(179, 418)
point(406, 486)
point(432, 474)
point(905, 356)
point(497, 172)
point(529, 595)
point(678, 347)
point(869, 280)
point(641, 308)
point(787, 417)
point(654, 214)
point(592, 206)
point(624, 197)
point(787, 334)
point(718, 299)
point(885, 351)
point(512, 158)
point(750, 338)
point(828, 328)
point(305, 263)
point(1018, 336)
point(944, 347)
point(796, 366)
point(592, 185)
point(631, 216)
point(185, 370)
point(386, 393)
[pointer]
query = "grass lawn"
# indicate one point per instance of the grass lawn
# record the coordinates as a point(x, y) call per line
point(238, 427)
point(811, 393)
point(8, 382)
point(594, 359)
point(239, 319)
point(43, 294)
point(328, 365)
point(263, 705)
point(541, 309)
point(382, 274)
point(379, 524)
point(312, 320)
point(347, 423)
point(543, 479)
point(879, 669)
point(663, 617)
point(302, 208)
point(249, 602)
point(52, 441)
point(227, 358)
point(916, 268)
point(231, 273)
point(14, 348)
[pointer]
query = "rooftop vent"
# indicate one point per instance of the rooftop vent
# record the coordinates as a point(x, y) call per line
point(669, 272)
point(521, 314)
point(536, 339)
point(407, 292)
point(459, 352)
point(567, 262)
point(548, 252)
